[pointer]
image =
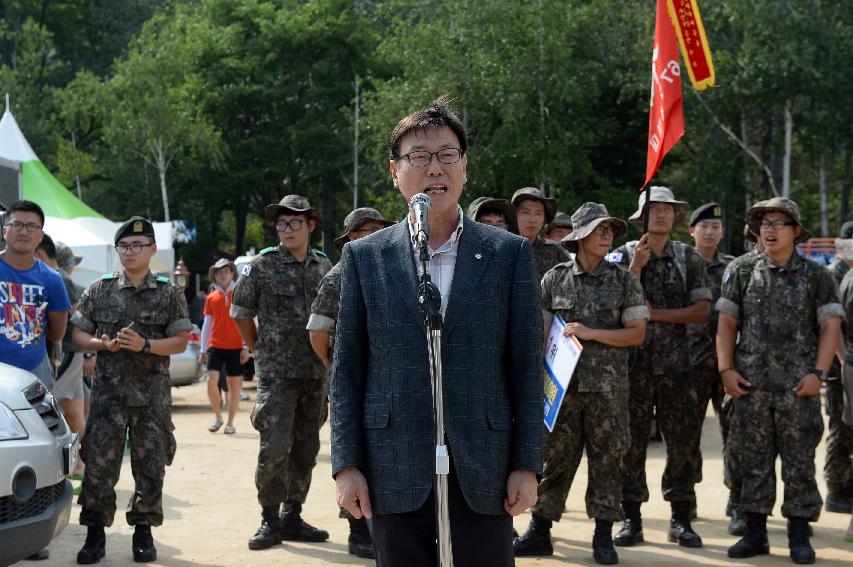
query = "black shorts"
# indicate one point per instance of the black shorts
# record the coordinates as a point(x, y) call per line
point(217, 358)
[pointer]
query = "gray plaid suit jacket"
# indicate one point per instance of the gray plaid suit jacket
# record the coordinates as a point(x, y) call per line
point(381, 399)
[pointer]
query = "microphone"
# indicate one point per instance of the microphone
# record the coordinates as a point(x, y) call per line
point(420, 205)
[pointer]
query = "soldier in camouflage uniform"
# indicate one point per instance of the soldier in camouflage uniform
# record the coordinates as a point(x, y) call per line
point(277, 287)
point(677, 293)
point(495, 212)
point(603, 306)
point(533, 211)
point(788, 316)
point(135, 320)
point(838, 468)
point(558, 228)
point(321, 326)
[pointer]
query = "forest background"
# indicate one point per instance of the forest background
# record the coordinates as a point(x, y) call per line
point(208, 110)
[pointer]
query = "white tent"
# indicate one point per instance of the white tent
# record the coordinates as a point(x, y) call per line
point(69, 220)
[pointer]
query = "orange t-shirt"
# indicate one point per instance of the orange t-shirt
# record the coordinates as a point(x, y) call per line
point(223, 333)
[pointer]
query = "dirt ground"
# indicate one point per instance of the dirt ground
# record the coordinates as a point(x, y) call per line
point(211, 509)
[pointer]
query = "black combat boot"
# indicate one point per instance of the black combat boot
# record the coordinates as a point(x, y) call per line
point(798, 541)
point(360, 543)
point(754, 542)
point(269, 534)
point(737, 525)
point(680, 529)
point(536, 541)
point(632, 526)
point(95, 547)
point(143, 545)
point(838, 499)
point(602, 544)
point(294, 528)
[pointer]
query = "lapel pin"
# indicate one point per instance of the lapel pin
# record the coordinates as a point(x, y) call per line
point(478, 256)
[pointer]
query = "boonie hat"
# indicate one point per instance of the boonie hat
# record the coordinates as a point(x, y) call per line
point(561, 220)
point(221, 263)
point(846, 230)
point(501, 205)
point(585, 219)
point(358, 217)
point(707, 211)
point(533, 193)
point(65, 256)
point(291, 203)
point(134, 226)
point(659, 195)
point(776, 204)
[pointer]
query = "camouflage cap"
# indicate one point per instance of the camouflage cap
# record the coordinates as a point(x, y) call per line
point(585, 219)
point(776, 204)
point(535, 194)
point(221, 263)
point(296, 204)
point(358, 217)
point(659, 195)
point(501, 205)
point(65, 256)
point(134, 226)
point(707, 211)
point(561, 220)
point(747, 232)
point(847, 230)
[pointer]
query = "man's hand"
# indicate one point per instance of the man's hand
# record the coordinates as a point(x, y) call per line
point(579, 330)
point(733, 383)
point(202, 358)
point(809, 386)
point(642, 253)
point(109, 344)
point(89, 366)
point(652, 311)
point(520, 492)
point(244, 355)
point(129, 339)
point(351, 488)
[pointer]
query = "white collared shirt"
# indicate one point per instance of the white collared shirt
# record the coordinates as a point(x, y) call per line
point(442, 261)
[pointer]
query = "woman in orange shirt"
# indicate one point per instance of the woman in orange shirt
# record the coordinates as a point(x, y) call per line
point(221, 344)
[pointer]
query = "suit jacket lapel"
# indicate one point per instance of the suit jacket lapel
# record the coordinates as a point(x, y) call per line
point(474, 254)
point(400, 266)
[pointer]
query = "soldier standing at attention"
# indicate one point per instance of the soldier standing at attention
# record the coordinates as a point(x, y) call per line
point(533, 211)
point(838, 468)
point(677, 293)
point(277, 287)
point(788, 313)
point(135, 320)
point(602, 305)
point(321, 327)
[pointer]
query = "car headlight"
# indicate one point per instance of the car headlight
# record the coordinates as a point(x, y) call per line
point(35, 391)
point(10, 426)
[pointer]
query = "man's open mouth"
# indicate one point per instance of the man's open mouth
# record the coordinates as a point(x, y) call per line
point(436, 190)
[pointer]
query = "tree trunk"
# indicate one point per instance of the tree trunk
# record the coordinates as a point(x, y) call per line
point(824, 213)
point(846, 185)
point(240, 211)
point(162, 166)
point(328, 201)
point(786, 160)
point(76, 173)
point(355, 147)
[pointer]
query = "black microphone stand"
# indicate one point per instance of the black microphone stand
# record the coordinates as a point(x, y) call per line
point(429, 304)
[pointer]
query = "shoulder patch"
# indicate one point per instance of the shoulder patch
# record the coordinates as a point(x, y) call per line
point(319, 253)
point(246, 270)
point(163, 279)
point(727, 275)
point(111, 276)
point(267, 250)
point(614, 257)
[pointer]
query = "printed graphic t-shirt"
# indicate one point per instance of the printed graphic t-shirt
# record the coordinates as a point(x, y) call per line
point(25, 298)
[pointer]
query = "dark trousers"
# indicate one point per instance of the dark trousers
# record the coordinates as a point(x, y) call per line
point(409, 539)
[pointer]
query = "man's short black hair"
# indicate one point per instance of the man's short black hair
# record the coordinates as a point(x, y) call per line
point(48, 246)
point(25, 206)
point(436, 115)
point(491, 211)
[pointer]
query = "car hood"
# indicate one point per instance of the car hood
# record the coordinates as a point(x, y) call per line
point(13, 381)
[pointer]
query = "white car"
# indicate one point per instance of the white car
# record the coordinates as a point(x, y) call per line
point(37, 452)
point(185, 368)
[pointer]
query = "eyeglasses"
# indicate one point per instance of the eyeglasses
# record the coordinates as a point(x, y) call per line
point(134, 248)
point(601, 230)
point(775, 225)
point(447, 156)
point(30, 226)
point(283, 226)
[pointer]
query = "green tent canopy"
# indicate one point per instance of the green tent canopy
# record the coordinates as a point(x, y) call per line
point(56, 201)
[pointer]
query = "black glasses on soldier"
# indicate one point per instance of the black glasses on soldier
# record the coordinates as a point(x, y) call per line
point(447, 156)
point(133, 248)
point(603, 229)
point(30, 226)
point(775, 225)
point(283, 225)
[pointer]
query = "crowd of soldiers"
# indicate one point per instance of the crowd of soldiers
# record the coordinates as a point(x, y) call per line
point(666, 328)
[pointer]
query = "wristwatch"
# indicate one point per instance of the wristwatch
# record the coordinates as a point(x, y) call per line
point(146, 348)
point(821, 374)
point(90, 354)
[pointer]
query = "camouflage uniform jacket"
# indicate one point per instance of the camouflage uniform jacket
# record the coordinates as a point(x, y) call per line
point(669, 285)
point(75, 292)
point(702, 336)
point(279, 290)
point(845, 291)
point(548, 254)
point(779, 310)
point(606, 298)
point(838, 268)
point(158, 309)
point(324, 309)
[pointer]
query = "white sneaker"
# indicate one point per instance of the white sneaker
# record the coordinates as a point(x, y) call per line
point(214, 427)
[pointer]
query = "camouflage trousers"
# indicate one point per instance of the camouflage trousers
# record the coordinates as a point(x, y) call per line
point(766, 424)
point(839, 442)
point(731, 476)
point(709, 388)
point(672, 399)
point(598, 422)
point(152, 448)
point(288, 415)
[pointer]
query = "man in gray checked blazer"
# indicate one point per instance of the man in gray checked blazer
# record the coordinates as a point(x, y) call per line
point(383, 429)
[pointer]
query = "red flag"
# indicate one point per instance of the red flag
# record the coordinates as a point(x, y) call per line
point(666, 119)
point(694, 45)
